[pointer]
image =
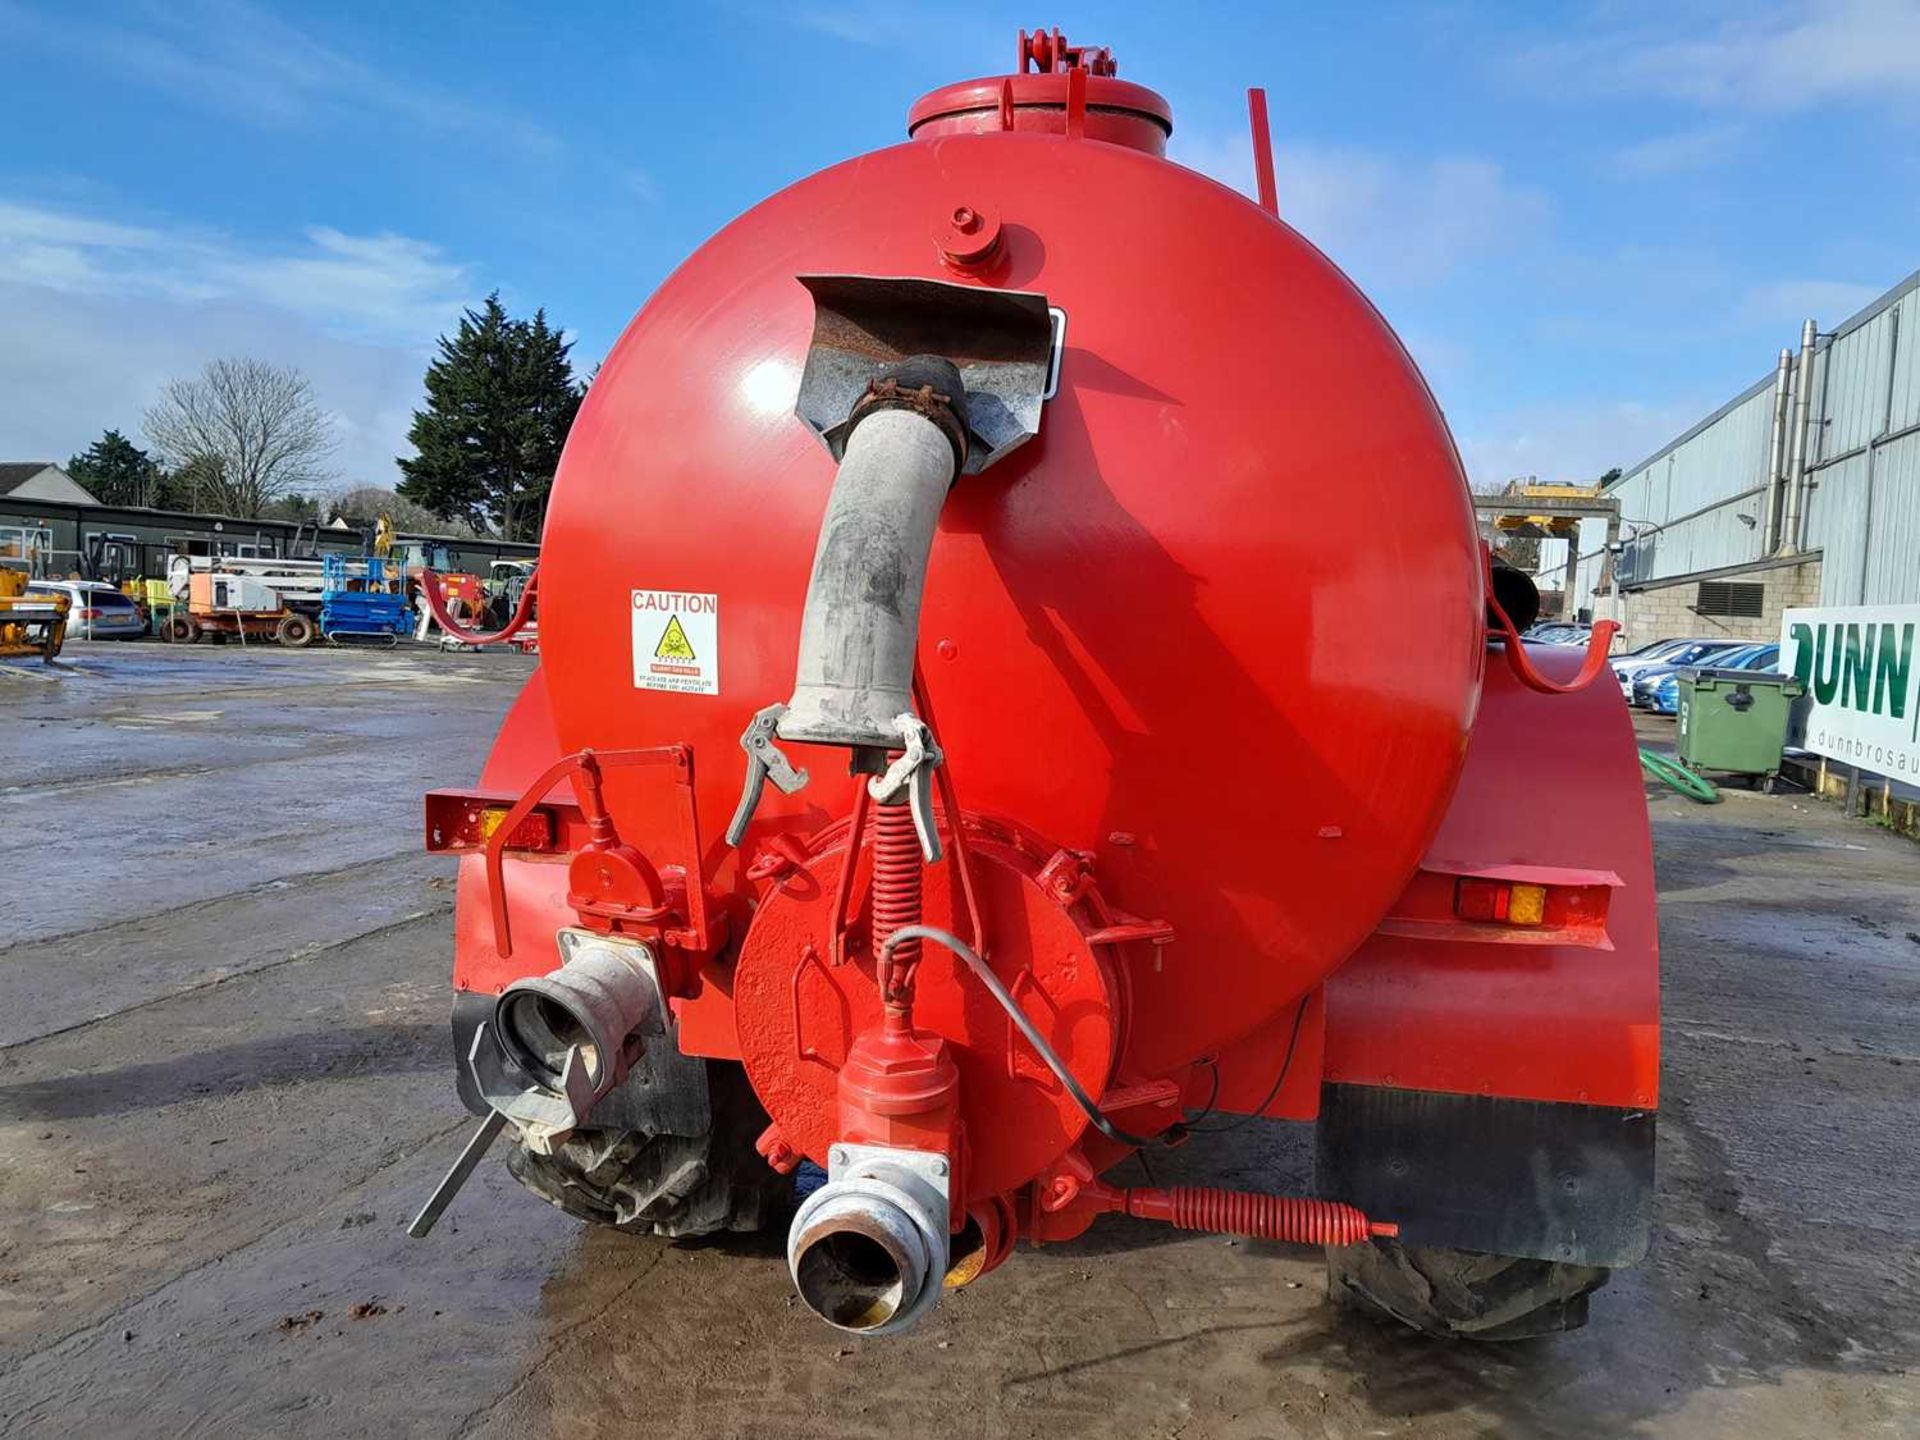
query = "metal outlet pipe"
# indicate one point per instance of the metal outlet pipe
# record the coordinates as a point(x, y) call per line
point(861, 625)
point(1777, 449)
point(1792, 519)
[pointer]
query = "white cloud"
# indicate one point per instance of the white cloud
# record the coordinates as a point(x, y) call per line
point(100, 314)
point(1679, 153)
point(238, 59)
point(1787, 303)
point(380, 287)
point(1577, 441)
point(1778, 57)
point(1385, 220)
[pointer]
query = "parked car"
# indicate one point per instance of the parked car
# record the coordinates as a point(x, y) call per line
point(96, 611)
point(1646, 679)
point(1640, 693)
point(1564, 632)
point(1663, 696)
point(1626, 668)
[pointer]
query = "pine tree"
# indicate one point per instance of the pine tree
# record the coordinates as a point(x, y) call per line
point(117, 471)
point(500, 400)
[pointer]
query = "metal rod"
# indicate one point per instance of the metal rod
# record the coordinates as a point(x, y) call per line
point(477, 1145)
point(1263, 151)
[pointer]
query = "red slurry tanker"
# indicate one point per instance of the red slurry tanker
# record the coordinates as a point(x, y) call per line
point(971, 745)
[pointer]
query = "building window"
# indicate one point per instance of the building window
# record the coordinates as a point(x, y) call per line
point(28, 543)
point(1734, 599)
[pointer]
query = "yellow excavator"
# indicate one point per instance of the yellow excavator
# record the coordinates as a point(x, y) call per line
point(30, 624)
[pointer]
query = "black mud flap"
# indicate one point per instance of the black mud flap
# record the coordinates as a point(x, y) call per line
point(1541, 1179)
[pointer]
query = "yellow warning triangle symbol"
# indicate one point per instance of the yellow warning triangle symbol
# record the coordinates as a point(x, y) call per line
point(673, 643)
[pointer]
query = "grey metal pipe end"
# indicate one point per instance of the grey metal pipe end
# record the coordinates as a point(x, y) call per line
point(595, 1002)
point(868, 1251)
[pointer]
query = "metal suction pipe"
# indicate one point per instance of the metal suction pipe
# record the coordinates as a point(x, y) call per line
point(854, 676)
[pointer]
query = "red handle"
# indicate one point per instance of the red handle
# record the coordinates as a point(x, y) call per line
point(436, 598)
point(1599, 643)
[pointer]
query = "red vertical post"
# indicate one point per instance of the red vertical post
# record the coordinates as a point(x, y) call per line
point(1263, 151)
point(1077, 102)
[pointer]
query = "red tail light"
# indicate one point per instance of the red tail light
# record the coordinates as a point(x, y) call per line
point(88, 613)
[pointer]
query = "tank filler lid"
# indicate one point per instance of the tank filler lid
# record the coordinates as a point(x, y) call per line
point(1038, 96)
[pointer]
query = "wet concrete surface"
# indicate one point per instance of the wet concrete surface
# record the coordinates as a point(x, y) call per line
point(225, 1084)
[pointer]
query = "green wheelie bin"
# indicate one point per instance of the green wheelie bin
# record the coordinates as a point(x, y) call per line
point(1735, 720)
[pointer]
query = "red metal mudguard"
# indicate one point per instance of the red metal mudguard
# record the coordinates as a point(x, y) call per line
point(1493, 1087)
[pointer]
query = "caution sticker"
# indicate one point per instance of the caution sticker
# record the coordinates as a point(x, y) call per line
point(676, 641)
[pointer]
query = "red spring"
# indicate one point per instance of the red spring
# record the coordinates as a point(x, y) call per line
point(1286, 1218)
point(898, 881)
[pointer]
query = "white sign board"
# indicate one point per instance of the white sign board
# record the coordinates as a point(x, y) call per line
point(676, 642)
point(1863, 683)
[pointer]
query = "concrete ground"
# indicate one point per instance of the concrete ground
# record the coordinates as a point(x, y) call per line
point(225, 1084)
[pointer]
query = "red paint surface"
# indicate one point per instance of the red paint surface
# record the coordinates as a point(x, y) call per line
point(1551, 781)
point(1156, 627)
point(1219, 627)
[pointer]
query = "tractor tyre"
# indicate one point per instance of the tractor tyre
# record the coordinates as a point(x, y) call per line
point(296, 632)
point(673, 1185)
point(1462, 1294)
point(182, 630)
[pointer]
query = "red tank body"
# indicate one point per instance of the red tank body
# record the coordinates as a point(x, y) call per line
point(1204, 656)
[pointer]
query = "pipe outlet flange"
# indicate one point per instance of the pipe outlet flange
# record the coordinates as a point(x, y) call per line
point(559, 1042)
point(868, 1250)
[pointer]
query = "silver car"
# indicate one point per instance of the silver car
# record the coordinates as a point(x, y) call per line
point(95, 611)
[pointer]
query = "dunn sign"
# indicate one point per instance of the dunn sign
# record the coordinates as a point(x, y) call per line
point(1857, 664)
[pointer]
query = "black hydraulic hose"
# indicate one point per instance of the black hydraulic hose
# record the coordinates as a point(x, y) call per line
point(1020, 1018)
point(1286, 1064)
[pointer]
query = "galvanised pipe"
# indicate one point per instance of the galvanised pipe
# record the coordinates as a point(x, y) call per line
point(1777, 449)
point(861, 624)
point(1792, 519)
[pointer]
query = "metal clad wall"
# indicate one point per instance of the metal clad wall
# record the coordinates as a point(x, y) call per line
point(1838, 508)
point(1906, 363)
point(1714, 470)
point(1680, 508)
point(1854, 386)
point(1893, 548)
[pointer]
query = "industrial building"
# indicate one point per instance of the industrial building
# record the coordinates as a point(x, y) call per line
point(1804, 489)
point(51, 523)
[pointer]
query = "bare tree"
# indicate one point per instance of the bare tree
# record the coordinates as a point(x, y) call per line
point(255, 427)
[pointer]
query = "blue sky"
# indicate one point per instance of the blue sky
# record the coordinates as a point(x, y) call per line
point(1590, 224)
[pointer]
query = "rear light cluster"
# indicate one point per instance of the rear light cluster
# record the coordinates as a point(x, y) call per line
point(89, 613)
point(459, 821)
point(1500, 901)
